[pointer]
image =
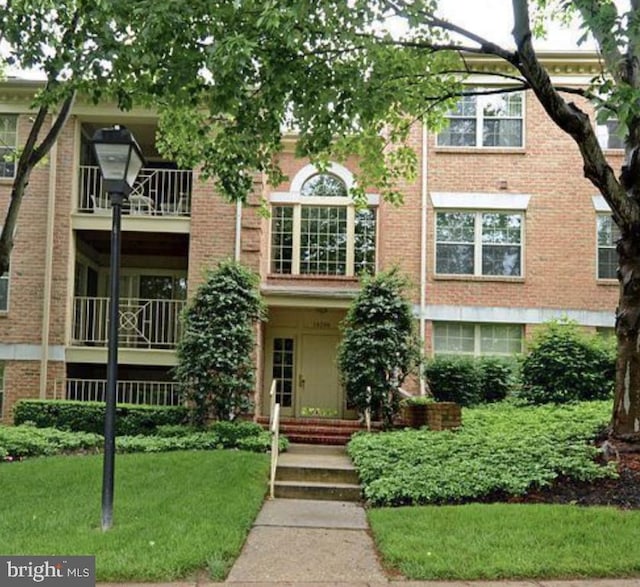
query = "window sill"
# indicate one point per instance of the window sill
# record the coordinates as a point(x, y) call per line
point(480, 278)
point(609, 282)
point(325, 278)
point(481, 150)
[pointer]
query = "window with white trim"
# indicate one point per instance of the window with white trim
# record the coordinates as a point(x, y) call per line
point(318, 231)
point(495, 120)
point(8, 145)
point(608, 235)
point(4, 292)
point(479, 243)
point(608, 135)
point(464, 338)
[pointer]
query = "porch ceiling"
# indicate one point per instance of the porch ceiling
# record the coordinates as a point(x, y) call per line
point(140, 243)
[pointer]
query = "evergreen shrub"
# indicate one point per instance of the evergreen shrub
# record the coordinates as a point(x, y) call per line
point(566, 364)
point(469, 381)
point(80, 416)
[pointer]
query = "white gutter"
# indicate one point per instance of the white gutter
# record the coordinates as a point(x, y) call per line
point(48, 269)
point(238, 230)
point(423, 251)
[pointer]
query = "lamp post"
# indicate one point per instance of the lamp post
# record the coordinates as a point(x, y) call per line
point(120, 160)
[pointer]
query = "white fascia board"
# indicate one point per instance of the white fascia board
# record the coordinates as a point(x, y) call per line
point(504, 315)
point(480, 201)
point(600, 204)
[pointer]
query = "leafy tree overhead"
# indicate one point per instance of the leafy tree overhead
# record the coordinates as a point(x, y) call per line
point(215, 370)
point(231, 77)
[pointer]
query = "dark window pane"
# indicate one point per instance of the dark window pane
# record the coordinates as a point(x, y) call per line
point(454, 259)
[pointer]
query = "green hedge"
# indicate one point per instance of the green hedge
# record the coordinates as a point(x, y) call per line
point(469, 381)
point(19, 442)
point(80, 416)
point(566, 364)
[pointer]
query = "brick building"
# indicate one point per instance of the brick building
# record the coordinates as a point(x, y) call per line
point(499, 233)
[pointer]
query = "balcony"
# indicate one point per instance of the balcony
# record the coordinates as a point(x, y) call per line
point(157, 192)
point(144, 324)
point(152, 393)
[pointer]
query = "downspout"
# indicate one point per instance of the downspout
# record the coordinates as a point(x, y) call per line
point(48, 268)
point(423, 252)
point(238, 230)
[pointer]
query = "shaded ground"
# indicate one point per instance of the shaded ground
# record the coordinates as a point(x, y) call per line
point(623, 492)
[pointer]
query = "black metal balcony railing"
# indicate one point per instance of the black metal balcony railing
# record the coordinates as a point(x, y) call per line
point(157, 192)
point(152, 324)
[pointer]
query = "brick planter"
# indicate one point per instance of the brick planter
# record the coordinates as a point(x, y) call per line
point(436, 416)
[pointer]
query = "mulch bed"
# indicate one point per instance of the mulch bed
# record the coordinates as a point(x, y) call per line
point(623, 492)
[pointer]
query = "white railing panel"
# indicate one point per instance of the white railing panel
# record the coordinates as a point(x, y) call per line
point(143, 323)
point(157, 192)
point(153, 393)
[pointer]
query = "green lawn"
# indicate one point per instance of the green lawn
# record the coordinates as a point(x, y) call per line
point(174, 513)
point(498, 541)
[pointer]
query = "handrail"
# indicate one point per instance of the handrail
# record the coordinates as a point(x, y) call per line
point(274, 428)
point(272, 401)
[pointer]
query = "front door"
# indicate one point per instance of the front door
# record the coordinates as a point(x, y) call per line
point(304, 367)
point(318, 377)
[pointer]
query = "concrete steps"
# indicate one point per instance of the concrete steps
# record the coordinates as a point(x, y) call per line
point(309, 471)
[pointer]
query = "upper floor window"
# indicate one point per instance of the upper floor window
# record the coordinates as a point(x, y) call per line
point(4, 292)
point(316, 230)
point(464, 338)
point(8, 145)
point(608, 235)
point(479, 243)
point(485, 121)
point(608, 135)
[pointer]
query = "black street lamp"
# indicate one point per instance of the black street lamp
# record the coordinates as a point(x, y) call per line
point(120, 160)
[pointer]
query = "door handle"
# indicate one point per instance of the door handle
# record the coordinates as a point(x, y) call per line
point(300, 381)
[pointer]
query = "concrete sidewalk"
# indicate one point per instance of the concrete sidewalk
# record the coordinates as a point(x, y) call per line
point(295, 540)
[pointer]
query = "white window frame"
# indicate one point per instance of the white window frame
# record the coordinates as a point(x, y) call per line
point(477, 339)
point(294, 199)
point(607, 131)
point(10, 147)
point(480, 101)
point(477, 243)
point(602, 217)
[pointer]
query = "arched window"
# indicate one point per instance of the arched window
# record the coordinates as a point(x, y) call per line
point(316, 230)
point(324, 185)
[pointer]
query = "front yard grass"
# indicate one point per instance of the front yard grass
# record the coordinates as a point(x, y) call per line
point(514, 541)
point(175, 514)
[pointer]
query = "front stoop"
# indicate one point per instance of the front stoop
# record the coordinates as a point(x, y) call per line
point(316, 472)
point(320, 431)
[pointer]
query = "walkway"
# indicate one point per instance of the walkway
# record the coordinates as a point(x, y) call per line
point(310, 541)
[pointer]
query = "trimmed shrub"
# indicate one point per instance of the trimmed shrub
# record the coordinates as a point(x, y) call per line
point(78, 416)
point(497, 377)
point(454, 379)
point(231, 433)
point(566, 364)
point(469, 381)
point(215, 367)
point(379, 348)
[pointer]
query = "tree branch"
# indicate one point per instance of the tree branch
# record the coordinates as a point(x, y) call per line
point(572, 120)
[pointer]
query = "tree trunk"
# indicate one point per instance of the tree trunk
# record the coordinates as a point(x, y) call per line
point(625, 423)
